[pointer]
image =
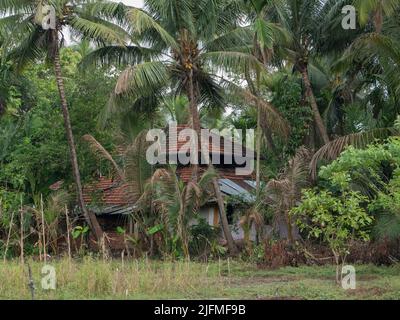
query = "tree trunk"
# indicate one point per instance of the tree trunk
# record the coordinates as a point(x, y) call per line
point(337, 262)
point(317, 116)
point(224, 220)
point(258, 150)
point(195, 120)
point(89, 216)
point(196, 126)
point(258, 132)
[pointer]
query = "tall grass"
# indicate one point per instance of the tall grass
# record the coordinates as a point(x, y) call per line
point(92, 278)
point(95, 278)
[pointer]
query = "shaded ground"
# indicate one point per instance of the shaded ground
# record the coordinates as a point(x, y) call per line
point(96, 279)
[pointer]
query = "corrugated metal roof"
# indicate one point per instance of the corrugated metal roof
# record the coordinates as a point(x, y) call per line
point(231, 188)
point(251, 183)
point(112, 210)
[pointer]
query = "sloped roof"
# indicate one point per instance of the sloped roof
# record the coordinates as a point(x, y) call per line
point(114, 194)
point(185, 173)
point(108, 196)
point(176, 145)
point(106, 191)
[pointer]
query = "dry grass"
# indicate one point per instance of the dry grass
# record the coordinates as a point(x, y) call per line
point(143, 279)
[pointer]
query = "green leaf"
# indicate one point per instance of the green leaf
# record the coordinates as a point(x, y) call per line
point(120, 230)
point(155, 229)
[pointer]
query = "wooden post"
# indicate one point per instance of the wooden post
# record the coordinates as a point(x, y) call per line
point(130, 225)
point(21, 243)
point(31, 284)
point(68, 239)
point(8, 236)
point(43, 229)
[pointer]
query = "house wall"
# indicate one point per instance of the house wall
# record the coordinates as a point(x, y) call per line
point(211, 214)
point(238, 233)
point(206, 212)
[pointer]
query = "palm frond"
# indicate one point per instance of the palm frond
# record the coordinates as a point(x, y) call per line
point(111, 11)
point(15, 6)
point(238, 37)
point(232, 61)
point(142, 78)
point(117, 55)
point(283, 194)
point(333, 149)
point(366, 8)
point(102, 153)
point(30, 48)
point(137, 169)
point(274, 119)
point(142, 21)
point(100, 31)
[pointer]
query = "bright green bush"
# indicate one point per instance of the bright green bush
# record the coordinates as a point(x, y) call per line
point(336, 220)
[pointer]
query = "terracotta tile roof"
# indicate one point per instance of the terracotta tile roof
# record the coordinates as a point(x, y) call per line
point(106, 191)
point(109, 192)
point(177, 144)
point(185, 173)
point(57, 186)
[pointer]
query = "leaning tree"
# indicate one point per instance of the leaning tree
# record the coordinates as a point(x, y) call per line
point(37, 29)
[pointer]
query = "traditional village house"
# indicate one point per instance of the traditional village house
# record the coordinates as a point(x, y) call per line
point(109, 198)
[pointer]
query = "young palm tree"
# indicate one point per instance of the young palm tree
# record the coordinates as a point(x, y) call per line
point(30, 40)
point(184, 45)
point(284, 193)
point(176, 202)
point(266, 35)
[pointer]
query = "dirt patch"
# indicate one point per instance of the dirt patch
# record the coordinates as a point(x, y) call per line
point(365, 277)
point(260, 280)
point(367, 292)
point(281, 298)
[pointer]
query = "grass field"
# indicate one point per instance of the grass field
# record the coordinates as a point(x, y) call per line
point(142, 279)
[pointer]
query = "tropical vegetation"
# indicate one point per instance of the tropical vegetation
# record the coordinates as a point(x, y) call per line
point(77, 100)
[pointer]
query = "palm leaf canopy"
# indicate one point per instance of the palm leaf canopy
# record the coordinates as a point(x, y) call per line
point(170, 39)
point(96, 21)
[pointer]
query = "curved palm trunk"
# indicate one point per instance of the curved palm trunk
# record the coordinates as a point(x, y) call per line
point(89, 217)
point(258, 133)
point(258, 148)
point(220, 200)
point(317, 116)
point(195, 120)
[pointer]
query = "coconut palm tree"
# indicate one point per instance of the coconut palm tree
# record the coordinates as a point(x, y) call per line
point(30, 41)
point(301, 18)
point(376, 55)
point(266, 36)
point(181, 47)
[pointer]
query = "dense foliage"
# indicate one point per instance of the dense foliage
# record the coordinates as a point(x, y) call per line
point(322, 100)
